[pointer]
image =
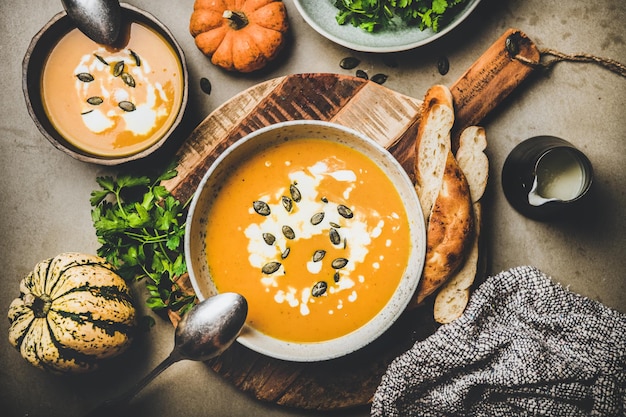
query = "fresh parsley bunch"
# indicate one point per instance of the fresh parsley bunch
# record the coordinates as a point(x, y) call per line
point(141, 228)
point(371, 15)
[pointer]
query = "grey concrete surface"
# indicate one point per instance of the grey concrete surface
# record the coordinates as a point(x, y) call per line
point(44, 205)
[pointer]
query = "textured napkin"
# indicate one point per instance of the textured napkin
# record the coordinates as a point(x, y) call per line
point(525, 346)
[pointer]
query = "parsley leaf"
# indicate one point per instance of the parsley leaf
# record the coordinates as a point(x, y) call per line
point(141, 228)
point(372, 15)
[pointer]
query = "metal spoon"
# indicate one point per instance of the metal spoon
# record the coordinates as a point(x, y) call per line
point(100, 20)
point(206, 331)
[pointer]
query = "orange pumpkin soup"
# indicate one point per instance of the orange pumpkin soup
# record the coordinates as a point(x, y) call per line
point(112, 102)
point(313, 234)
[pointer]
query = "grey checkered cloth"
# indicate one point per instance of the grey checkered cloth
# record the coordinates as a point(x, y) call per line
point(525, 346)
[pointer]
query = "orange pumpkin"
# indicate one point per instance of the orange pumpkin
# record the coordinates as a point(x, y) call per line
point(239, 35)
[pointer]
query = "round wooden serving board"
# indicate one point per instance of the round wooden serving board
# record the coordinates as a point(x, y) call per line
point(389, 118)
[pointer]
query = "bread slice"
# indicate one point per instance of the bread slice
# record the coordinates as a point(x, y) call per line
point(450, 230)
point(473, 160)
point(453, 296)
point(443, 192)
point(433, 145)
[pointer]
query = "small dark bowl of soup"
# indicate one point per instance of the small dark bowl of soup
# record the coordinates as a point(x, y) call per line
point(102, 104)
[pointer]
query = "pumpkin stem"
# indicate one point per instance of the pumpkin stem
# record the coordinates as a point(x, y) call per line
point(237, 20)
point(39, 304)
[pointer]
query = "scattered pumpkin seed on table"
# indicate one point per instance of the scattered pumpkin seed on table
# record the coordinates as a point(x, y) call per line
point(205, 85)
point(349, 62)
point(443, 65)
point(379, 78)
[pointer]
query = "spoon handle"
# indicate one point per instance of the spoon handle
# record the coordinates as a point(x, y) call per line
point(116, 404)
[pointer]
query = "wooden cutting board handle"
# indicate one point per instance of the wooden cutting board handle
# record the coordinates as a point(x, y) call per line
point(491, 79)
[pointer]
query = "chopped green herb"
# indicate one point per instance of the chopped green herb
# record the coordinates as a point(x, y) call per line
point(372, 15)
point(141, 227)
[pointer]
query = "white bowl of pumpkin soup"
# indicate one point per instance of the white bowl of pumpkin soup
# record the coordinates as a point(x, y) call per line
point(318, 227)
point(106, 104)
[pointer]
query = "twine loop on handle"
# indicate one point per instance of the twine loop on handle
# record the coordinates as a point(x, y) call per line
point(512, 47)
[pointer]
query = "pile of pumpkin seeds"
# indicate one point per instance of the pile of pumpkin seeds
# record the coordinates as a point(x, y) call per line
point(351, 62)
point(118, 69)
point(263, 209)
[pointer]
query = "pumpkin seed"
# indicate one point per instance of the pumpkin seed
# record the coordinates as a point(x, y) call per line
point(288, 232)
point(261, 208)
point(361, 74)
point(95, 100)
point(336, 276)
point(269, 238)
point(335, 225)
point(334, 236)
point(344, 211)
point(128, 79)
point(324, 199)
point(349, 62)
point(285, 253)
point(118, 68)
point(287, 203)
point(443, 65)
point(319, 288)
point(295, 193)
point(205, 85)
point(135, 57)
point(127, 106)
point(86, 112)
point(379, 78)
point(99, 58)
point(318, 255)
point(317, 218)
point(270, 267)
point(85, 77)
point(339, 263)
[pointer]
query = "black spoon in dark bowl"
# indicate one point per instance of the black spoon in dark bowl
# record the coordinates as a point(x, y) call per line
point(100, 20)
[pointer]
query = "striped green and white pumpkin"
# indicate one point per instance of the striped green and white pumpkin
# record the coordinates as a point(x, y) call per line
point(73, 311)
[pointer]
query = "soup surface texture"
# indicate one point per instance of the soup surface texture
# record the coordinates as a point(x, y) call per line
point(112, 102)
point(313, 234)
